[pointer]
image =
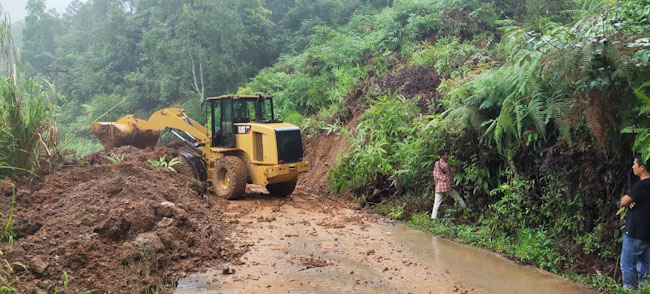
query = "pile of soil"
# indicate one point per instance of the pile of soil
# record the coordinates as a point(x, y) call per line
point(112, 135)
point(321, 152)
point(414, 82)
point(124, 227)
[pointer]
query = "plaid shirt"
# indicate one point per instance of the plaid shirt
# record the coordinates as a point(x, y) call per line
point(442, 177)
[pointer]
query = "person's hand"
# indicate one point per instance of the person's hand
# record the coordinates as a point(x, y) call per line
point(632, 204)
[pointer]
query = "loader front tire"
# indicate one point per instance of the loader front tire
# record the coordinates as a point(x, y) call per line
point(282, 189)
point(230, 177)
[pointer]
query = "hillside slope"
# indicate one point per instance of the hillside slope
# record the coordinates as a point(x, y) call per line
point(538, 105)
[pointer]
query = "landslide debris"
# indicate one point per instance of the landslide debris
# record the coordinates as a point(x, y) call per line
point(118, 228)
point(113, 135)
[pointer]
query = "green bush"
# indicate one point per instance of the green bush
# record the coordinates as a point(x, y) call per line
point(536, 247)
point(377, 144)
point(443, 56)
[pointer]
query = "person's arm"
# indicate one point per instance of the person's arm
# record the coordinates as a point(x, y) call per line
point(438, 175)
point(637, 193)
point(448, 176)
point(627, 201)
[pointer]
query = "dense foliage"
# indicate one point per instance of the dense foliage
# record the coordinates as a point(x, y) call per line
point(536, 106)
point(541, 102)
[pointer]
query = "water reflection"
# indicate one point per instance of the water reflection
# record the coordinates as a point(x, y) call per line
point(479, 268)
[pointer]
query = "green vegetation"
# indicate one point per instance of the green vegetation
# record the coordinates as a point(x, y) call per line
point(114, 158)
point(140, 56)
point(65, 289)
point(27, 111)
point(8, 275)
point(7, 234)
point(163, 163)
point(536, 116)
point(541, 102)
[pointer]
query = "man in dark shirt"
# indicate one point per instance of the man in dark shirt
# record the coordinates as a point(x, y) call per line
point(635, 256)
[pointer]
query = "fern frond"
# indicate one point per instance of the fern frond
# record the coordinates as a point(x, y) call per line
point(622, 62)
point(505, 128)
point(520, 113)
point(641, 140)
point(505, 123)
point(595, 119)
point(489, 131)
point(640, 92)
point(537, 114)
point(557, 107)
point(586, 61)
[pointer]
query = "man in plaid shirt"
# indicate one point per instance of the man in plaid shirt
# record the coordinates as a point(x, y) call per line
point(444, 182)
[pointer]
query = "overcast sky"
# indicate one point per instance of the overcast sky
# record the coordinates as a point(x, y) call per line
point(16, 8)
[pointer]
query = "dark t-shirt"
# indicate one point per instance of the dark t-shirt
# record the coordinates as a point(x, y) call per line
point(637, 220)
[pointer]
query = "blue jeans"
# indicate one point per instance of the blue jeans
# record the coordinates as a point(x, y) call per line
point(635, 261)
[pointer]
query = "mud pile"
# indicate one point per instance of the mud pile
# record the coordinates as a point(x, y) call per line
point(121, 228)
point(112, 135)
point(321, 152)
point(414, 82)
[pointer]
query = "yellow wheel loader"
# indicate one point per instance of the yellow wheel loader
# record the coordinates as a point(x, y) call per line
point(245, 143)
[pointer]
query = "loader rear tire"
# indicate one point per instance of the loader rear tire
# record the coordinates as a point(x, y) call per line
point(230, 177)
point(282, 189)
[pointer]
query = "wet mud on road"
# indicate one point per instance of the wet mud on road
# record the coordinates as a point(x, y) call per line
point(308, 243)
point(481, 269)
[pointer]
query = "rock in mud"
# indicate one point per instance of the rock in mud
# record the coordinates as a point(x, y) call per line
point(38, 265)
point(26, 228)
point(148, 243)
point(113, 227)
point(226, 270)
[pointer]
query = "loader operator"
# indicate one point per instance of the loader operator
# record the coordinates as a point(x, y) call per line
point(444, 183)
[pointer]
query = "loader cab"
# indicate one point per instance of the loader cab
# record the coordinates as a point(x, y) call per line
point(229, 110)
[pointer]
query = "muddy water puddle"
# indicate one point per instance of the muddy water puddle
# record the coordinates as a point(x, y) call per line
point(302, 247)
point(480, 268)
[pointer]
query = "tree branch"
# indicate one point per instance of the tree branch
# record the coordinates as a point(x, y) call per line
point(200, 91)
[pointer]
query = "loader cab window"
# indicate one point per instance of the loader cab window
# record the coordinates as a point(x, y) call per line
point(215, 114)
point(266, 111)
point(253, 110)
point(226, 112)
point(244, 111)
point(222, 123)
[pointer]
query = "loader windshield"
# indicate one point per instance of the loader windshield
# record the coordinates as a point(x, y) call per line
point(267, 111)
point(253, 110)
point(244, 111)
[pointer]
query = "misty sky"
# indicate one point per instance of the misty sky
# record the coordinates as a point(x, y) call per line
point(16, 8)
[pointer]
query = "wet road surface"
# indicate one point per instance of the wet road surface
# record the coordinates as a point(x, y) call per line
point(312, 244)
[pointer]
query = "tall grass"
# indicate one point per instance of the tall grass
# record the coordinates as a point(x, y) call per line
point(7, 233)
point(26, 112)
point(27, 109)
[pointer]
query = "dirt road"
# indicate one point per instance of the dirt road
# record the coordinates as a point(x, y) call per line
point(314, 244)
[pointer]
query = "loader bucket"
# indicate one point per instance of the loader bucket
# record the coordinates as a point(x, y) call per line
point(125, 131)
